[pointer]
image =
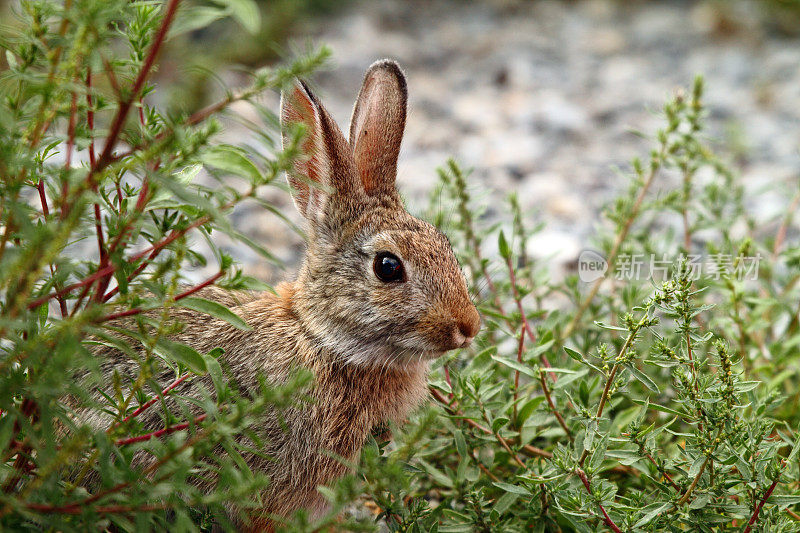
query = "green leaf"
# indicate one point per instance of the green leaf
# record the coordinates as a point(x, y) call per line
point(504, 502)
point(746, 386)
point(215, 309)
point(502, 245)
point(643, 378)
point(514, 489)
point(499, 423)
point(700, 501)
point(194, 18)
point(245, 12)
point(569, 378)
point(214, 370)
point(180, 353)
point(234, 161)
point(461, 444)
point(794, 452)
point(573, 354)
point(436, 474)
point(653, 511)
point(696, 466)
point(610, 327)
point(659, 407)
point(528, 408)
point(520, 367)
point(784, 500)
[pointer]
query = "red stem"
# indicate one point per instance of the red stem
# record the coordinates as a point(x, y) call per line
point(90, 116)
point(147, 404)
point(607, 519)
point(69, 288)
point(154, 251)
point(175, 234)
point(160, 432)
point(520, 349)
point(98, 225)
point(77, 508)
point(68, 158)
point(46, 212)
point(531, 335)
point(122, 115)
point(754, 518)
point(447, 379)
point(112, 78)
point(184, 294)
point(664, 473)
point(138, 85)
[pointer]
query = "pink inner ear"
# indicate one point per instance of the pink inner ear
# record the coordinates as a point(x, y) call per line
point(300, 109)
point(378, 131)
point(367, 154)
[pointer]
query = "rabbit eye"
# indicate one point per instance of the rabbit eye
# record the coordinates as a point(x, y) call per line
point(388, 267)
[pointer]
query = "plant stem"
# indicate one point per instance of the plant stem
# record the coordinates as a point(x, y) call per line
point(160, 432)
point(620, 239)
point(549, 399)
point(754, 518)
point(607, 519)
point(696, 479)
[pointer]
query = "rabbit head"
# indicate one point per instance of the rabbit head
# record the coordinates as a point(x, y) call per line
point(377, 286)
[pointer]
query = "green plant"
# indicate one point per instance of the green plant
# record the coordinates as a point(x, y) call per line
point(664, 402)
point(101, 196)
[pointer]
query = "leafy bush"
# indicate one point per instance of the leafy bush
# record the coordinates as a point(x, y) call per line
point(650, 399)
point(100, 196)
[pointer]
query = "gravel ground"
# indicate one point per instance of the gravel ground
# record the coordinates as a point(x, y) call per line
point(541, 97)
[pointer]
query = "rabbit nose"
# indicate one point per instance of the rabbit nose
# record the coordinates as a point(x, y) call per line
point(469, 323)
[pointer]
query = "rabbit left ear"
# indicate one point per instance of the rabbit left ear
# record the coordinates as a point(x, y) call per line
point(325, 166)
point(376, 128)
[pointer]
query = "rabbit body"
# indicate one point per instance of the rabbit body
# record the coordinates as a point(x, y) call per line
point(346, 401)
point(378, 296)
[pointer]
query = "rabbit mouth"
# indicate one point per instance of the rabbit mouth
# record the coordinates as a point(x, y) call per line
point(430, 355)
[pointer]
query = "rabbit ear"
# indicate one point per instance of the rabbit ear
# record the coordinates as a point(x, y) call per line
point(325, 158)
point(376, 128)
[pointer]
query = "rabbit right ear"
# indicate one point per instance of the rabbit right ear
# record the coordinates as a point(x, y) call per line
point(376, 129)
point(325, 159)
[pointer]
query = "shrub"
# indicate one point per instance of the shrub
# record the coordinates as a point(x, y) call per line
point(101, 194)
point(648, 399)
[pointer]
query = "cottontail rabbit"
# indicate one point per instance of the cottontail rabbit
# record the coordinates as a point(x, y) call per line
point(379, 295)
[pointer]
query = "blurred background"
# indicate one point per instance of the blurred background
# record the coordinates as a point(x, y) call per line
point(543, 97)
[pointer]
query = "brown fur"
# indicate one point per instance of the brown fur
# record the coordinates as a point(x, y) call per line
point(368, 343)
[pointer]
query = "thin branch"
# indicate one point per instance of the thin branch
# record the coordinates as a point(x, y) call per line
point(662, 472)
point(609, 382)
point(73, 111)
point(125, 105)
point(780, 236)
point(98, 226)
point(607, 519)
point(184, 294)
point(62, 304)
point(520, 349)
point(160, 432)
point(696, 479)
point(149, 403)
point(754, 518)
point(621, 236)
point(529, 450)
point(549, 399)
point(75, 508)
point(166, 241)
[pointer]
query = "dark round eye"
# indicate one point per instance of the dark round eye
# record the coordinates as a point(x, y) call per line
point(388, 267)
